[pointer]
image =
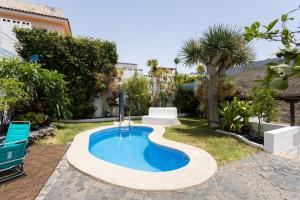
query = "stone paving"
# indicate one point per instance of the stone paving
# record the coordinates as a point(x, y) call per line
point(261, 176)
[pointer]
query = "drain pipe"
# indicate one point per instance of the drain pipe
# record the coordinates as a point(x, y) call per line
point(298, 152)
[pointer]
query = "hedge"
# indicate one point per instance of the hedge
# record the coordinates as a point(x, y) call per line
point(88, 64)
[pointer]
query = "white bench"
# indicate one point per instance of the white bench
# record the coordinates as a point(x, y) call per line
point(165, 116)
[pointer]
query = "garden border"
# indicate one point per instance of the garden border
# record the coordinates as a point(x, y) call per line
point(242, 138)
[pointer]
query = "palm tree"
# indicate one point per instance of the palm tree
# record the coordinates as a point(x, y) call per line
point(153, 64)
point(176, 61)
point(220, 48)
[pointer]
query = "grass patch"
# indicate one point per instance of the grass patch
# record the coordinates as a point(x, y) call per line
point(196, 132)
point(137, 121)
point(65, 132)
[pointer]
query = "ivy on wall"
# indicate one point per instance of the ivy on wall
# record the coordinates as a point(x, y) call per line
point(88, 64)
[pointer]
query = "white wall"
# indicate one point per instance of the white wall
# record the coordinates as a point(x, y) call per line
point(8, 39)
point(98, 103)
point(266, 126)
point(282, 139)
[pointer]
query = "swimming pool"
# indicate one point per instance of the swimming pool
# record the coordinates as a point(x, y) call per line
point(130, 147)
point(140, 159)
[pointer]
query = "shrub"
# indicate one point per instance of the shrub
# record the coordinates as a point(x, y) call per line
point(36, 119)
point(11, 93)
point(235, 115)
point(185, 101)
point(87, 64)
point(163, 98)
point(46, 89)
point(138, 97)
point(264, 104)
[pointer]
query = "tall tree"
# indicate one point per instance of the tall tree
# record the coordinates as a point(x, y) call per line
point(219, 48)
point(153, 64)
point(176, 61)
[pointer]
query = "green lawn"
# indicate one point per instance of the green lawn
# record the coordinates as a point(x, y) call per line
point(65, 132)
point(192, 131)
point(197, 133)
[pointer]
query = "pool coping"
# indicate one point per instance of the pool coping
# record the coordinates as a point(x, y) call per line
point(200, 168)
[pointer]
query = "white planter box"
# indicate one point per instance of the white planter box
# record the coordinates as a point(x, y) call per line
point(278, 138)
point(282, 139)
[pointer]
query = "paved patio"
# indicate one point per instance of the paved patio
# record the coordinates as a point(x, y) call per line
point(39, 165)
point(261, 176)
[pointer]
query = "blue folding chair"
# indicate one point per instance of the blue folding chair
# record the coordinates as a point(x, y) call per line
point(13, 150)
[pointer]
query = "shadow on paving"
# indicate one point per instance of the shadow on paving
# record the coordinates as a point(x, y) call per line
point(39, 165)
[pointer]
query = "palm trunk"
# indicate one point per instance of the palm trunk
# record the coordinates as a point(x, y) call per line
point(213, 81)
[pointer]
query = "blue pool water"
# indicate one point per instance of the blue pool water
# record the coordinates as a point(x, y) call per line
point(134, 150)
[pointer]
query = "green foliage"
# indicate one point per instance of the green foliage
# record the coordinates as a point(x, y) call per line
point(36, 119)
point(46, 89)
point(176, 61)
point(153, 64)
point(235, 115)
point(165, 85)
point(11, 93)
point(163, 98)
point(87, 64)
point(219, 48)
point(137, 95)
point(186, 101)
point(264, 105)
point(278, 74)
point(181, 79)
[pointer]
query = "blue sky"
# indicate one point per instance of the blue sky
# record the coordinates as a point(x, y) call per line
point(144, 29)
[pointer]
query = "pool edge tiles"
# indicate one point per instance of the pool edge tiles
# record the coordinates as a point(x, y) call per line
point(201, 165)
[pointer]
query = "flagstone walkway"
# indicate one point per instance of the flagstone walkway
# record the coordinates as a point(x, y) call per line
point(261, 176)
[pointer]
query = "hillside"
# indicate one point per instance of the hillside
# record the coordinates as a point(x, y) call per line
point(246, 79)
point(254, 64)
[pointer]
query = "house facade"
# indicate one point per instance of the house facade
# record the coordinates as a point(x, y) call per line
point(18, 13)
point(129, 69)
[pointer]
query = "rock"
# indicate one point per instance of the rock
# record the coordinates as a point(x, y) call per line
point(41, 133)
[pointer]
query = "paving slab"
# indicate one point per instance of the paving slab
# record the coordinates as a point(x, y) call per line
point(260, 176)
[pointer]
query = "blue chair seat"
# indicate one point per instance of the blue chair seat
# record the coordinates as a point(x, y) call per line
point(14, 148)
